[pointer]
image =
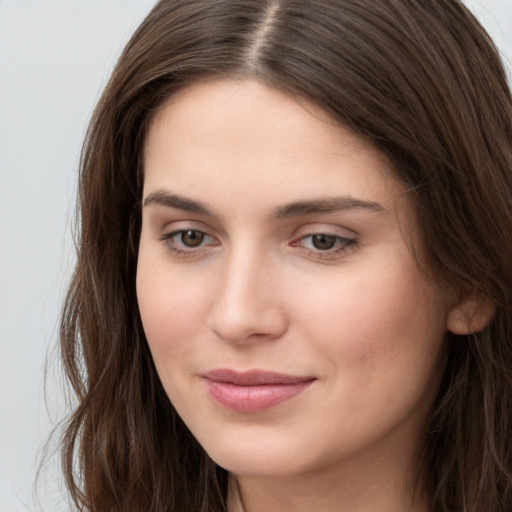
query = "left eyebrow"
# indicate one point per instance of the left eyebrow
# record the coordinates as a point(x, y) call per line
point(327, 205)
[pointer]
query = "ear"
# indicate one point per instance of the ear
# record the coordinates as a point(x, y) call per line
point(473, 314)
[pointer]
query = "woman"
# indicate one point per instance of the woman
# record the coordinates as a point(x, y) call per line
point(293, 287)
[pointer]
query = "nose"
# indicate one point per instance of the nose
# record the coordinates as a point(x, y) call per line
point(247, 305)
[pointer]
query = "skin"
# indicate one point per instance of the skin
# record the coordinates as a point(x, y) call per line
point(257, 292)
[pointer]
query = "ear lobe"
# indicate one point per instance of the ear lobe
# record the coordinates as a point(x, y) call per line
point(471, 315)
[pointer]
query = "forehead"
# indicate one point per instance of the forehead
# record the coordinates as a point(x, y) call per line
point(228, 103)
point(248, 139)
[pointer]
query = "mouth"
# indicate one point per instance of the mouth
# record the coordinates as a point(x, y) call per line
point(254, 390)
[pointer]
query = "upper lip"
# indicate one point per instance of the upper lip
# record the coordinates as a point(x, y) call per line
point(253, 377)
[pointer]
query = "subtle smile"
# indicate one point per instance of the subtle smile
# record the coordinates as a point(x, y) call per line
point(254, 390)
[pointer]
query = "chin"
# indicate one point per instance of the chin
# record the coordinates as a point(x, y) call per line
point(250, 454)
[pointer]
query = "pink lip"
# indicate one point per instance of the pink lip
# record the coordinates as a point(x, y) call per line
point(255, 390)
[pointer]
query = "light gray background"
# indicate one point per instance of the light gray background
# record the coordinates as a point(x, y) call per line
point(55, 56)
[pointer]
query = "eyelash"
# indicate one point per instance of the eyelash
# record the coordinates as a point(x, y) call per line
point(341, 244)
point(169, 241)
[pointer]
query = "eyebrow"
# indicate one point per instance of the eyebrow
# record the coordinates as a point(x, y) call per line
point(163, 198)
point(327, 205)
point(295, 209)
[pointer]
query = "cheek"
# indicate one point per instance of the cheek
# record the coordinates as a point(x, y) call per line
point(382, 344)
point(171, 309)
point(382, 316)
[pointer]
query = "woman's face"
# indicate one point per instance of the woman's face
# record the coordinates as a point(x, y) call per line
point(287, 318)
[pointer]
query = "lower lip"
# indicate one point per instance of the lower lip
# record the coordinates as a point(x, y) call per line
point(253, 398)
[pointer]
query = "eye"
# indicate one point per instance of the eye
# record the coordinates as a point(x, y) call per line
point(325, 245)
point(185, 242)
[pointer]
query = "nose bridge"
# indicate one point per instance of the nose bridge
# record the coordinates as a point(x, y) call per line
point(247, 300)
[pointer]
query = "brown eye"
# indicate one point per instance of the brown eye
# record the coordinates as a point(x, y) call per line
point(189, 242)
point(192, 238)
point(324, 242)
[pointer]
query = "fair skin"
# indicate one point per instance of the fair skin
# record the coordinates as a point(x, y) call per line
point(273, 240)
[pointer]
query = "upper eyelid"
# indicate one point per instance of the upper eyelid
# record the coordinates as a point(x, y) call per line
point(342, 239)
point(186, 224)
point(310, 218)
point(325, 229)
point(326, 233)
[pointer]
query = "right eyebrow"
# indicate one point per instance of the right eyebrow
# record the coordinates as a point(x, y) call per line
point(163, 198)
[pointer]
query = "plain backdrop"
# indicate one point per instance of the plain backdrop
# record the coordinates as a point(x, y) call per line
point(55, 57)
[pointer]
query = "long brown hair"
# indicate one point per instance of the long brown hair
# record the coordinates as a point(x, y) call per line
point(424, 83)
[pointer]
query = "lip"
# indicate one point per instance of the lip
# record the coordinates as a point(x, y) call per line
point(254, 390)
